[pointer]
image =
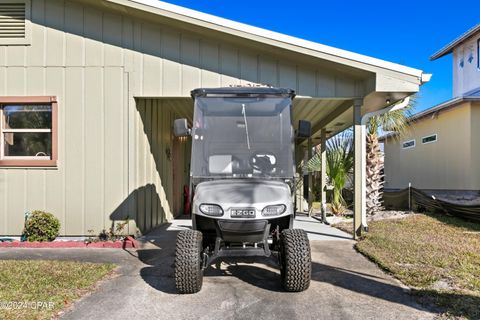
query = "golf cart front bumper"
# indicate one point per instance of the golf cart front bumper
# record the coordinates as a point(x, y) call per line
point(243, 231)
point(235, 238)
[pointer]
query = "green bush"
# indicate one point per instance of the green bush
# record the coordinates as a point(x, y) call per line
point(41, 226)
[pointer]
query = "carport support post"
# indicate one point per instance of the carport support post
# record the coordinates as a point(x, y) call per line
point(310, 178)
point(360, 163)
point(323, 172)
point(305, 175)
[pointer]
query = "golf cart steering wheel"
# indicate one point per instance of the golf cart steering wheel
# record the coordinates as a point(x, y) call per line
point(261, 163)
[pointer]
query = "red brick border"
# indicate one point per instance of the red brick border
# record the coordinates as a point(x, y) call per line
point(129, 242)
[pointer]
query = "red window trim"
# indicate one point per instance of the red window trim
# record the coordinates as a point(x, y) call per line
point(52, 100)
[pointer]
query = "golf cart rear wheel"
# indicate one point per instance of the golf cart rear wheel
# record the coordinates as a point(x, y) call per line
point(296, 261)
point(188, 261)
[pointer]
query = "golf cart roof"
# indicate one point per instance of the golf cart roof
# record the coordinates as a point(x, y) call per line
point(242, 92)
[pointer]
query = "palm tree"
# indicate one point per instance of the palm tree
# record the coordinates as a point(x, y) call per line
point(340, 158)
point(393, 121)
point(340, 162)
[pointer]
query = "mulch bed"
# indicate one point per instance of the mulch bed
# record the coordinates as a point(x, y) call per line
point(129, 242)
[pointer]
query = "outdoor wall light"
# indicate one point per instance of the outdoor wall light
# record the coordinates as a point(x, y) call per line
point(168, 153)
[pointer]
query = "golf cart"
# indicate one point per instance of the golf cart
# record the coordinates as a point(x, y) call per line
point(242, 177)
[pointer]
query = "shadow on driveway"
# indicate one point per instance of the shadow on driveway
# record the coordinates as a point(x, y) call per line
point(263, 273)
point(336, 268)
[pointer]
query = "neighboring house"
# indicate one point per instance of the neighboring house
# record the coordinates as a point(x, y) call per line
point(441, 153)
point(89, 90)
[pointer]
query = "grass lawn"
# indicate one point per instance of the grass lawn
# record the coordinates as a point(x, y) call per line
point(37, 289)
point(438, 256)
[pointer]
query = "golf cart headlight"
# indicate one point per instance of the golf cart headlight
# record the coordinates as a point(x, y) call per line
point(274, 210)
point(211, 209)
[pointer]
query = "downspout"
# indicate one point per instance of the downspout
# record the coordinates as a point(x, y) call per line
point(364, 122)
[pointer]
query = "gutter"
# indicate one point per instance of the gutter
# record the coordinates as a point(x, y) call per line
point(363, 159)
point(425, 77)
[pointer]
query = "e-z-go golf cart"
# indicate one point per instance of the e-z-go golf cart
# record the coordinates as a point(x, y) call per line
point(242, 177)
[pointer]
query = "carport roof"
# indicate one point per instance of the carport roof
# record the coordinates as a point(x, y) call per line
point(279, 40)
point(380, 80)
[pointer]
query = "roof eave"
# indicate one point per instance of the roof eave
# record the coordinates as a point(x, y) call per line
point(442, 106)
point(449, 47)
point(268, 37)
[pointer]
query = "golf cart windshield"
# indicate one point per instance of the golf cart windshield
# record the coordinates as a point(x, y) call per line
point(242, 137)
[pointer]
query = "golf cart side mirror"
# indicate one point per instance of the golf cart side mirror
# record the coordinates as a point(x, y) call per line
point(304, 129)
point(180, 128)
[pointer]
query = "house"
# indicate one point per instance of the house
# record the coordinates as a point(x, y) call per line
point(89, 91)
point(441, 153)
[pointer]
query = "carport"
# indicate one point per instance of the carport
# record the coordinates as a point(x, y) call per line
point(121, 71)
point(329, 115)
point(182, 49)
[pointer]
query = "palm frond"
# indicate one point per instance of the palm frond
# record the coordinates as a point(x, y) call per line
point(340, 163)
point(396, 121)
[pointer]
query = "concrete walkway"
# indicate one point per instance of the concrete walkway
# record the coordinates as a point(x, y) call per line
point(315, 229)
point(344, 285)
point(319, 231)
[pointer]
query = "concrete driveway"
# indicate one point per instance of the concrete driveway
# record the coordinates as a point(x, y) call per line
point(344, 285)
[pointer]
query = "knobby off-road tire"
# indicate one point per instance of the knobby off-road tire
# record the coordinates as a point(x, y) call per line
point(188, 261)
point(295, 259)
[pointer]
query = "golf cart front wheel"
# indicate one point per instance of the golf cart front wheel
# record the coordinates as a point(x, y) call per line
point(188, 261)
point(295, 259)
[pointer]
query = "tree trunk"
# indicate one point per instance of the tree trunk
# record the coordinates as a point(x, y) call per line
point(374, 175)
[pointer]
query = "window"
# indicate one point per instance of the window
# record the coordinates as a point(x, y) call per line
point(15, 25)
point(408, 144)
point(28, 131)
point(429, 139)
point(461, 58)
point(478, 54)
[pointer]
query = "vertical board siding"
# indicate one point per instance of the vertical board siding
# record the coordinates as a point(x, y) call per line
point(474, 145)
point(15, 81)
point(55, 40)
point(35, 81)
point(83, 191)
point(112, 148)
point(404, 166)
point(165, 61)
point(16, 56)
point(38, 34)
point(153, 191)
point(209, 64)
point(114, 164)
point(3, 205)
point(94, 46)
point(35, 189)
point(249, 73)
point(112, 39)
point(15, 204)
point(171, 77)
point(74, 146)
point(94, 155)
point(140, 182)
point(74, 40)
point(268, 71)
point(229, 66)
point(151, 45)
point(55, 83)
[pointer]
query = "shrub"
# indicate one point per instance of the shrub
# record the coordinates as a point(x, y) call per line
point(41, 226)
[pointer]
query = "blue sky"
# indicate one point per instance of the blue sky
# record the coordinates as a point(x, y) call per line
point(406, 32)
